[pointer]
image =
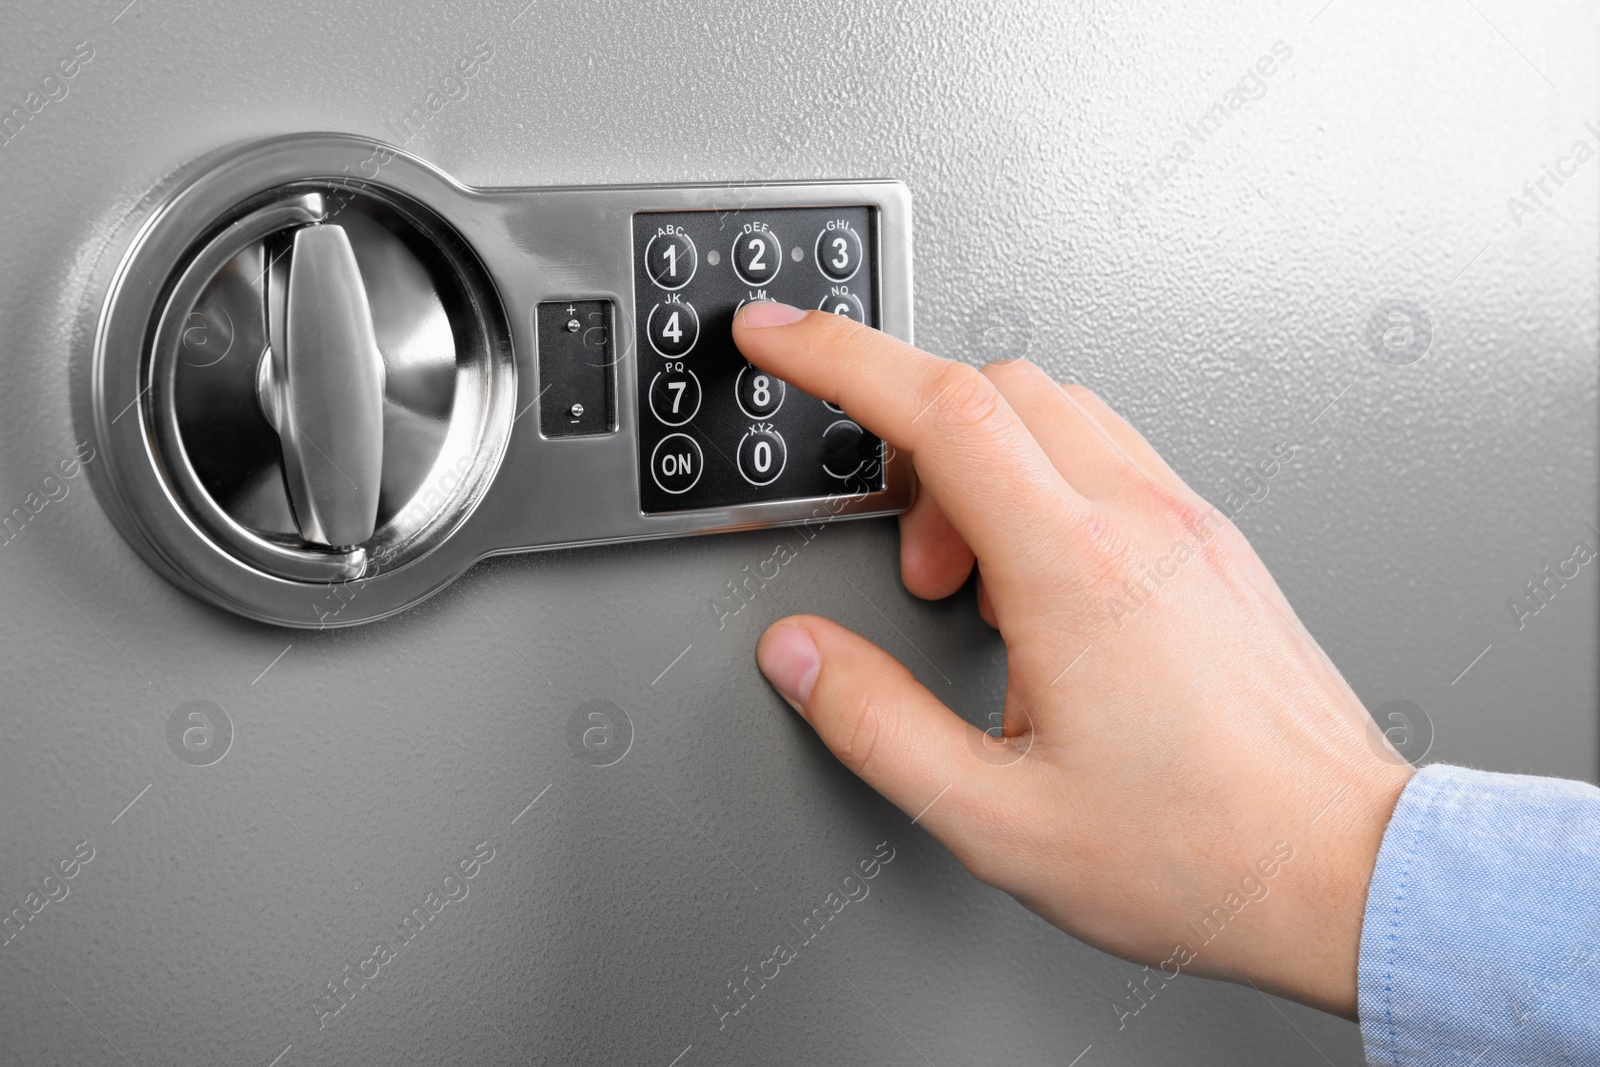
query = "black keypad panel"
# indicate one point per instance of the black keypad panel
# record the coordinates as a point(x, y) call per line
point(714, 430)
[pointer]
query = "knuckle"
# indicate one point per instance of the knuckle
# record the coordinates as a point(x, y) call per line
point(963, 400)
point(1106, 552)
point(1015, 367)
point(1019, 375)
point(862, 723)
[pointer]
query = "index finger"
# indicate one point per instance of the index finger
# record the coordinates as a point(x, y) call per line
point(987, 472)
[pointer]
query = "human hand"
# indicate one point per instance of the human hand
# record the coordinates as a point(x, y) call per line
point(1185, 779)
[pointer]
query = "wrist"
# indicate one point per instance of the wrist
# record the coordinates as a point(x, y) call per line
point(1311, 943)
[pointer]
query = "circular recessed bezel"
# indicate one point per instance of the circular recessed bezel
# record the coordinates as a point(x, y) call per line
point(155, 494)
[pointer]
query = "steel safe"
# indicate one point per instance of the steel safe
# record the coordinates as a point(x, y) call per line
point(552, 784)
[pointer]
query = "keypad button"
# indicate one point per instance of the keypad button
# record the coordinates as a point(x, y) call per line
point(759, 393)
point(838, 251)
point(757, 255)
point(673, 328)
point(762, 455)
point(844, 303)
point(670, 259)
point(846, 448)
point(675, 396)
point(676, 463)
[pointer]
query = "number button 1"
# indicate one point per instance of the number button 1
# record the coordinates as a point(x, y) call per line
point(673, 328)
point(675, 396)
point(670, 260)
point(759, 393)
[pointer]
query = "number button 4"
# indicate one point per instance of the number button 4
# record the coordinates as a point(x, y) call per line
point(674, 327)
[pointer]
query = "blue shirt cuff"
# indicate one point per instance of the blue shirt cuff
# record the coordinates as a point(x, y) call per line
point(1481, 941)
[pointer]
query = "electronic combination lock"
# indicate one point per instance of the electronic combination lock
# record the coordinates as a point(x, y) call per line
point(326, 378)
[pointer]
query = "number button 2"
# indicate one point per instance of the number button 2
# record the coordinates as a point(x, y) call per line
point(759, 393)
point(757, 255)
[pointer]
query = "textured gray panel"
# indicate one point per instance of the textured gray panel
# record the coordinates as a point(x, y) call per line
point(1224, 314)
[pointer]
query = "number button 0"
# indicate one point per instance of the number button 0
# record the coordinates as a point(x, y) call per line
point(762, 455)
point(757, 255)
point(838, 251)
point(670, 260)
point(673, 328)
point(759, 393)
point(675, 396)
point(846, 304)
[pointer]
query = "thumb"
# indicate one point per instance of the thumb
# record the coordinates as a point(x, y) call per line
point(871, 713)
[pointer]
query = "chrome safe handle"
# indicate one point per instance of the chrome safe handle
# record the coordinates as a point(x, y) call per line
point(320, 383)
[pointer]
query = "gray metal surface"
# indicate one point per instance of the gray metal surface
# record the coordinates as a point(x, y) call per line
point(1223, 305)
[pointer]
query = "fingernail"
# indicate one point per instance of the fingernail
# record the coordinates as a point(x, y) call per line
point(761, 313)
point(790, 660)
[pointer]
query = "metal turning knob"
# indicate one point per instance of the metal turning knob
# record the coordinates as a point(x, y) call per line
point(320, 384)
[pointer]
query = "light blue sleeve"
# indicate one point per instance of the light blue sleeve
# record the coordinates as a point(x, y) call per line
point(1481, 941)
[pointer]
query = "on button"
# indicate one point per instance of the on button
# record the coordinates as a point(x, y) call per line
point(675, 464)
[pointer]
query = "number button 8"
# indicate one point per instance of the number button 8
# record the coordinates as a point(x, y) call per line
point(759, 393)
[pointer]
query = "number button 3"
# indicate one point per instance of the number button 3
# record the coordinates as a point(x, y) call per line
point(838, 251)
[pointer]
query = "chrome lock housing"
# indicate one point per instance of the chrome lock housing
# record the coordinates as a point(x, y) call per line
point(327, 378)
